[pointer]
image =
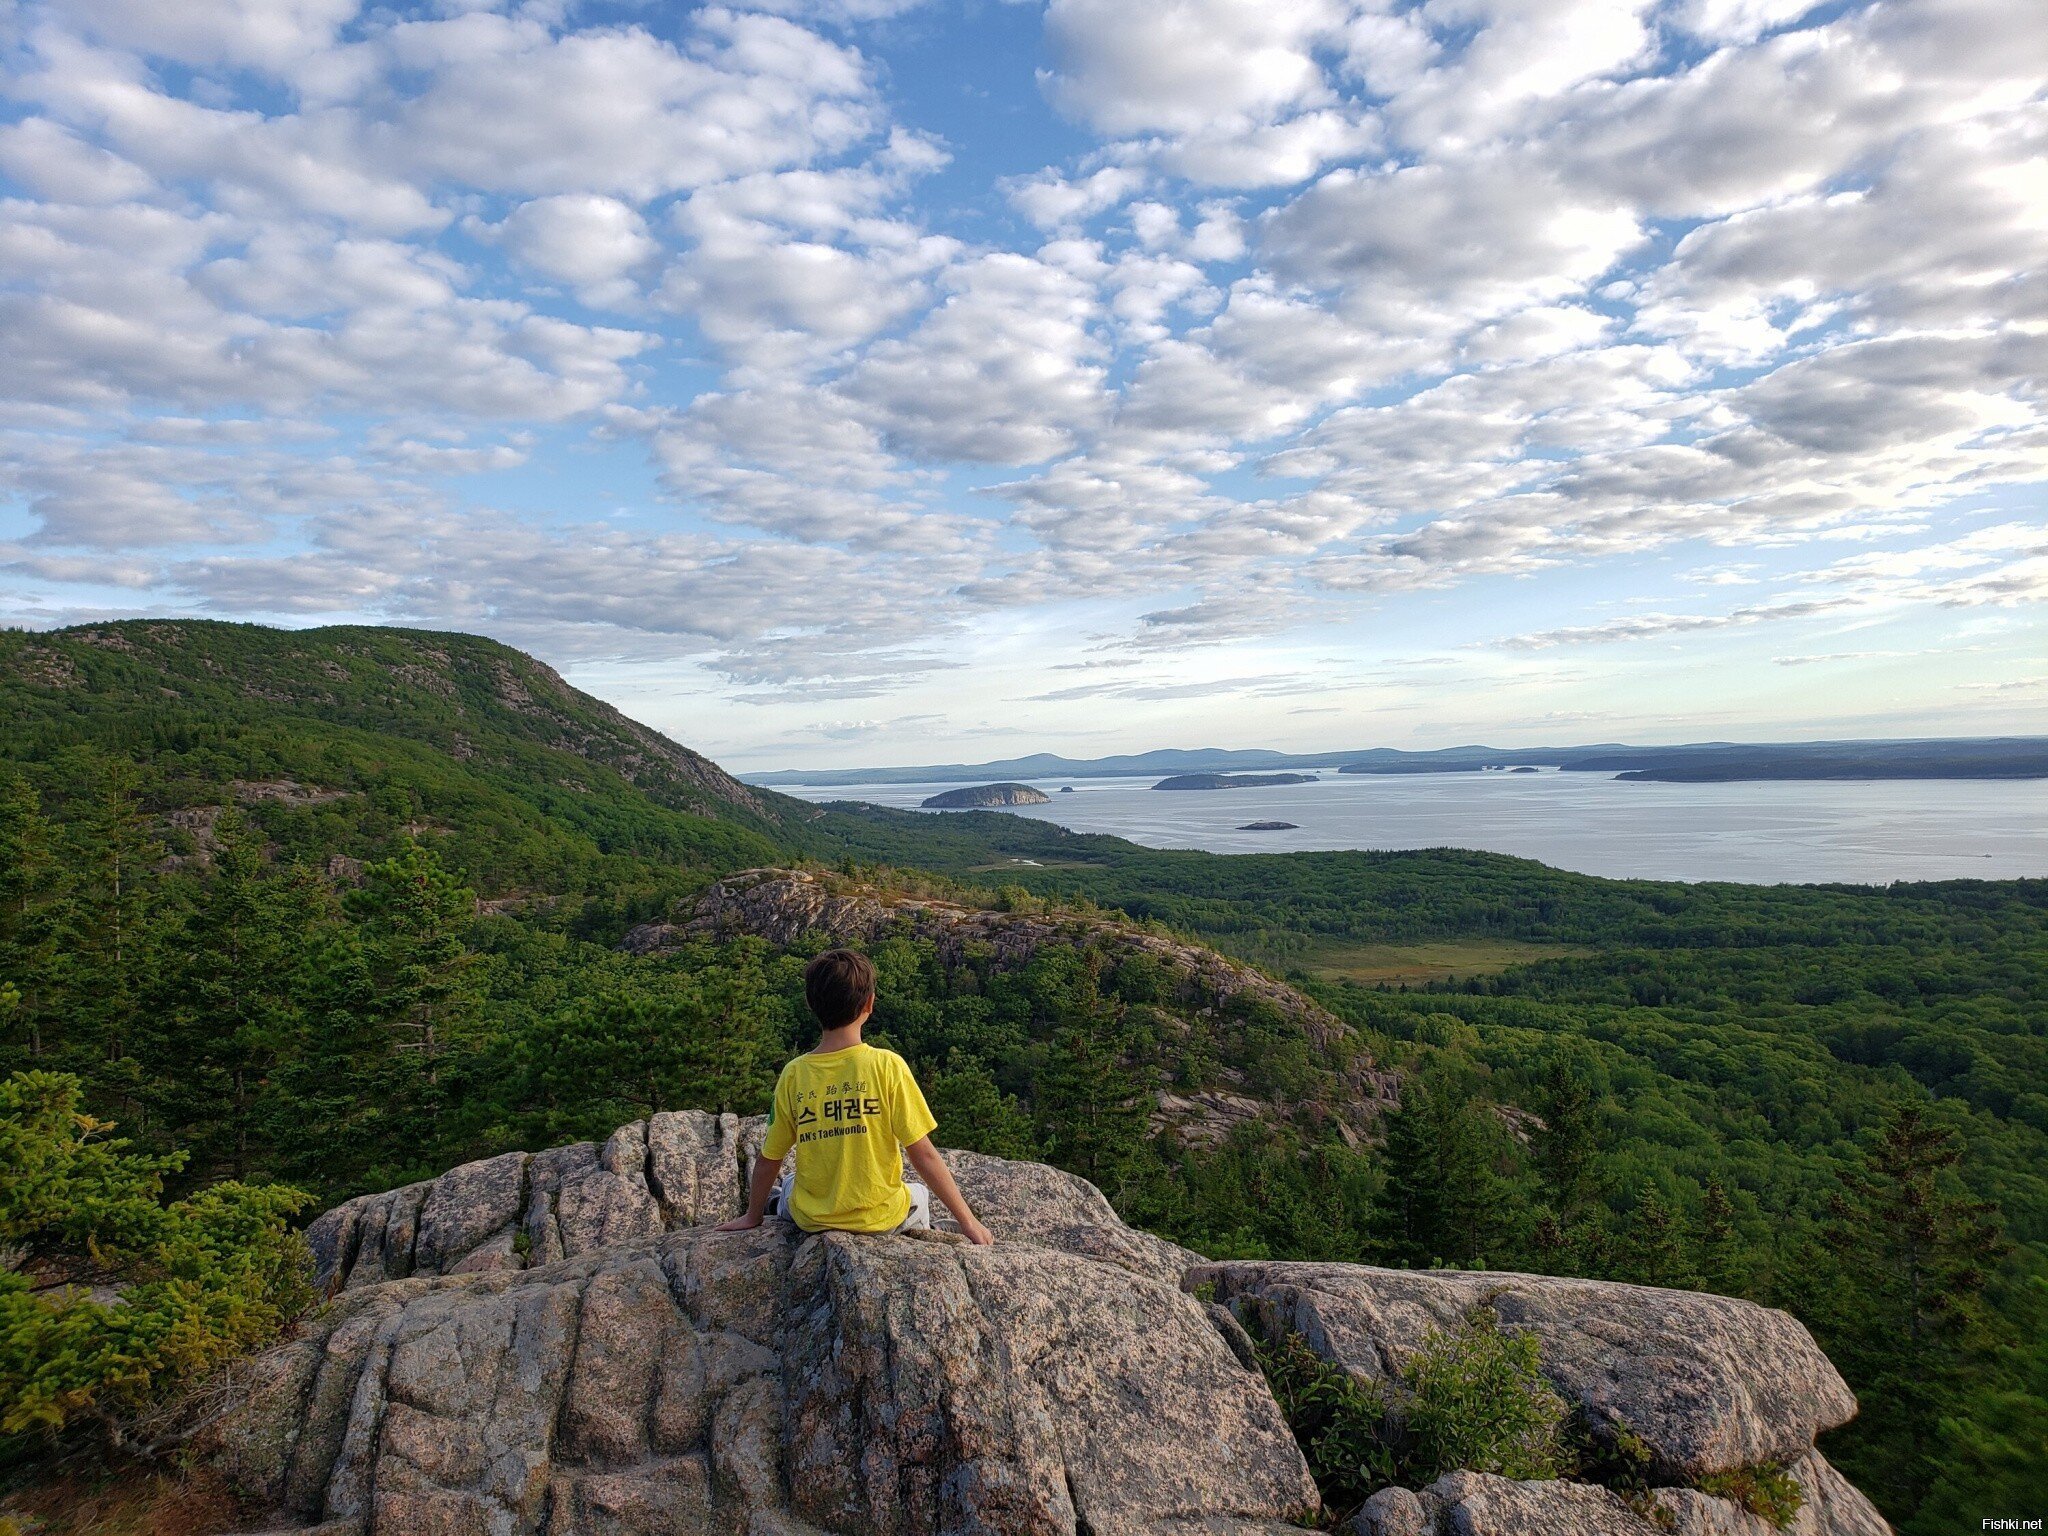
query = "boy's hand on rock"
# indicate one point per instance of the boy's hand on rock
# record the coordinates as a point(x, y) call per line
point(738, 1224)
point(976, 1233)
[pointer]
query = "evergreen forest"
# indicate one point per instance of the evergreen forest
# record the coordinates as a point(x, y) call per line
point(291, 916)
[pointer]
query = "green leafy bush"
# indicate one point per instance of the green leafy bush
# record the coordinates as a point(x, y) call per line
point(1766, 1491)
point(1472, 1397)
point(1477, 1399)
point(1339, 1423)
point(108, 1297)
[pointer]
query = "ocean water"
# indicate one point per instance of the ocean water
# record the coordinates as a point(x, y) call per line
point(1862, 831)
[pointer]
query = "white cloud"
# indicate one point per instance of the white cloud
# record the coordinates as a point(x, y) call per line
point(1004, 371)
point(266, 34)
point(1447, 245)
point(786, 271)
point(1181, 66)
point(55, 164)
point(1229, 93)
point(1329, 306)
point(578, 238)
point(1052, 201)
point(1519, 61)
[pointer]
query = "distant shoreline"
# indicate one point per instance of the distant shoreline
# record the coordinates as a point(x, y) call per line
point(1983, 757)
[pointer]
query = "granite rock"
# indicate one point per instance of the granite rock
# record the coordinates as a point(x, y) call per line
point(1709, 1383)
point(694, 1381)
point(557, 1344)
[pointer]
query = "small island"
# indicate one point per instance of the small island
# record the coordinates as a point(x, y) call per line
point(1066, 789)
point(1232, 780)
point(985, 795)
point(1270, 826)
point(1525, 768)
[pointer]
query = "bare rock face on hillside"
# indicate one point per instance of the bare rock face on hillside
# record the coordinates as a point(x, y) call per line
point(558, 1345)
point(786, 906)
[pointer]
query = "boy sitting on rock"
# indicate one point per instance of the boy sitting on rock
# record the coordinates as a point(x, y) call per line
point(852, 1112)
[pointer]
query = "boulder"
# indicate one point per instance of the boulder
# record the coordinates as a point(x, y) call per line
point(1832, 1506)
point(1829, 1506)
point(1393, 1512)
point(676, 1170)
point(1045, 1207)
point(695, 1165)
point(1708, 1383)
point(556, 1344)
point(1481, 1504)
point(698, 1382)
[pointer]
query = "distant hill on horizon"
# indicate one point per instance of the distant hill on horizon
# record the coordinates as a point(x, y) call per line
point(1962, 757)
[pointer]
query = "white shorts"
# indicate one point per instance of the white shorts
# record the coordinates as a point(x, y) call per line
point(919, 1219)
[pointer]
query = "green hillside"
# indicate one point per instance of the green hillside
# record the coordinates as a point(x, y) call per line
point(342, 907)
point(334, 739)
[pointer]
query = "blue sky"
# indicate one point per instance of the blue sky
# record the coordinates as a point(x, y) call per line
point(867, 381)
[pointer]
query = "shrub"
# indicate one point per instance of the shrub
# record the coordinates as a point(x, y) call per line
point(1478, 1400)
point(1471, 1397)
point(1766, 1491)
point(1339, 1424)
point(110, 1298)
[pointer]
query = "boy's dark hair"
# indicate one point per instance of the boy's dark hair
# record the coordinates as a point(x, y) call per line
point(840, 986)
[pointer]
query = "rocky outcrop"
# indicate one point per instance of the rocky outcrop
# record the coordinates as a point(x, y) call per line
point(675, 1380)
point(786, 907)
point(1480, 1504)
point(557, 1344)
point(984, 795)
point(1707, 1383)
point(665, 1174)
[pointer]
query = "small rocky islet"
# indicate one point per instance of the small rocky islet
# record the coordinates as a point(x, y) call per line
point(1270, 826)
point(983, 795)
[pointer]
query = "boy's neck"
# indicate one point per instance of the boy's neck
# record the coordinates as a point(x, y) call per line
point(844, 1037)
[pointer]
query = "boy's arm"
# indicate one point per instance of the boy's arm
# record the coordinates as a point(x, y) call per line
point(759, 1188)
point(938, 1178)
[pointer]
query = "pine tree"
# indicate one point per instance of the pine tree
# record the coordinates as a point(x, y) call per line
point(1654, 1244)
point(1406, 1222)
point(413, 912)
point(340, 1083)
point(1910, 1324)
point(973, 1112)
point(29, 894)
point(1445, 1197)
point(1091, 1108)
point(1719, 1248)
point(1567, 1148)
point(232, 1001)
point(108, 945)
point(640, 1042)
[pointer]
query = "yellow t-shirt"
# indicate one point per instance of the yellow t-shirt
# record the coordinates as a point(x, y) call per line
point(849, 1114)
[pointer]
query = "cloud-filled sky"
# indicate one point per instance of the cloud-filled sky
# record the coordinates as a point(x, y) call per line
point(865, 381)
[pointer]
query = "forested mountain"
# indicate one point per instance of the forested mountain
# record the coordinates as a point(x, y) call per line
point(341, 908)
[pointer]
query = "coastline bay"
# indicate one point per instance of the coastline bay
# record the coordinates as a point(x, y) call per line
point(1856, 831)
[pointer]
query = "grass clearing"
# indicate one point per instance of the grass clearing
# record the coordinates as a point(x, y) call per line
point(1416, 964)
